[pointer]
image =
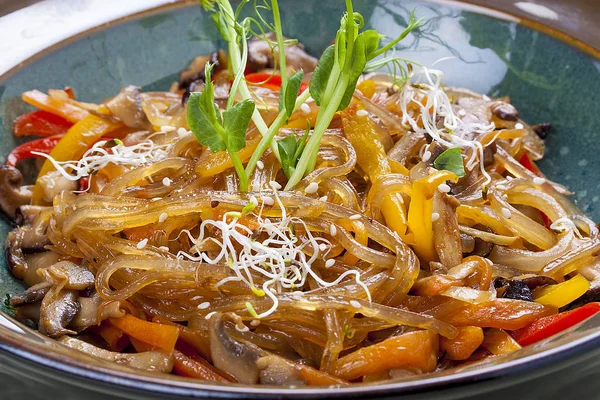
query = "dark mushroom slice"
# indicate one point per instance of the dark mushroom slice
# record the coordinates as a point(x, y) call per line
point(467, 243)
point(32, 295)
point(153, 361)
point(275, 370)
point(504, 111)
point(68, 275)
point(93, 310)
point(127, 107)
point(542, 130)
point(58, 309)
point(512, 289)
point(12, 194)
point(192, 78)
point(236, 358)
point(261, 56)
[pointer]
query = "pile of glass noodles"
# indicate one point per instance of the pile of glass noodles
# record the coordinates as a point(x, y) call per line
point(422, 236)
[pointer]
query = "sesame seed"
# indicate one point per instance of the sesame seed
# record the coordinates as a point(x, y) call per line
point(255, 322)
point(435, 216)
point(362, 113)
point(509, 178)
point(506, 213)
point(166, 181)
point(333, 230)
point(305, 108)
point(500, 187)
point(311, 188)
point(486, 97)
point(253, 200)
point(329, 263)
point(519, 125)
point(156, 199)
point(167, 128)
point(210, 314)
point(275, 185)
point(444, 188)
point(162, 217)
point(267, 200)
point(355, 304)
point(462, 112)
point(355, 217)
point(426, 156)
point(538, 181)
point(242, 329)
point(273, 290)
point(260, 164)
point(505, 196)
point(322, 247)
point(163, 248)
point(324, 198)
point(142, 243)
point(203, 306)
point(182, 131)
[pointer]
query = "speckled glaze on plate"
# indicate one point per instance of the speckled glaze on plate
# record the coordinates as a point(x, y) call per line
point(548, 81)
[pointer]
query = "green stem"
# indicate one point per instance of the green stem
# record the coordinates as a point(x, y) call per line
point(270, 135)
point(412, 24)
point(280, 46)
point(239, 169)
point(312, 147)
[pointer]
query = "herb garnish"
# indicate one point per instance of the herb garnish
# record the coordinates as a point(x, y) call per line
point(451, 160)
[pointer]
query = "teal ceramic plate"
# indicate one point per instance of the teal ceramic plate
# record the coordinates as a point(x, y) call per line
point(548, 81)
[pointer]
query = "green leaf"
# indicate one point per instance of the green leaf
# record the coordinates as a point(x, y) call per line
point(372, 40)
point(357, 66)
point(203, 121)
point(291, 91)
point(320, 76)
point(287, 151)
point(451, 160)
point(235, 122)
point(7, 306)
point(221, 24)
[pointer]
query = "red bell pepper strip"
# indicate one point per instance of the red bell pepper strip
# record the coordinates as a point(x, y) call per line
point(270, 81)
point(548, 326)
point(40, 123)
point(44, 145)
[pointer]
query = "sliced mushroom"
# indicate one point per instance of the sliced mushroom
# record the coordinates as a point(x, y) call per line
point(446, 235)
point(542, 130)
point(93, 310)
point(26, 215)
point(29, 312)
point(260, 55)
point(127, 106)
point(58, 309)
point(504, 111)
point(54, 183)
point(236, 358)
point(12, 194)
point(32, 295)
point(153, 361)
point(512, 289)
point(68, 275)
point(192, 78)
point(275, 370)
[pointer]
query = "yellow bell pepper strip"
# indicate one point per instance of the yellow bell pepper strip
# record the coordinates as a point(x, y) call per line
point(498, 342)
point(372, 159)
point(468, 215)
point(419, 212)
point(563, 293)
point(53, 105)
point(210, 164)
point(76, 141)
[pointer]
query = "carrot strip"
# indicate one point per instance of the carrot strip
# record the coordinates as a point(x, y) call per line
point(188, 367)
point(158, 335)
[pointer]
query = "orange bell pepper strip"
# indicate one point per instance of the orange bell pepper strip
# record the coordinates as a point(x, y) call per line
point(158, 335)
point(64, 109)
point(419, 212)
point(72, 146)
point(418, 349)
point(372, 159)
point(498, 342)
point(468, 340)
